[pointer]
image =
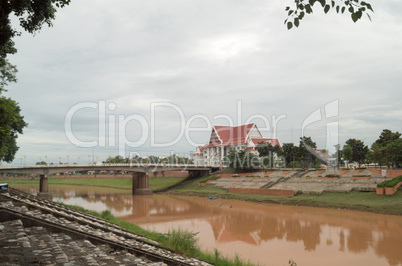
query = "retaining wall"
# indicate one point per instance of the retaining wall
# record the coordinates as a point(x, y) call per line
point(390, 173)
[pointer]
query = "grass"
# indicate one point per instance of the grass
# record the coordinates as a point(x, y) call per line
point(179, 240)
point(155, 183)
point(361, 201)
point(205, 180)
point(162, 183)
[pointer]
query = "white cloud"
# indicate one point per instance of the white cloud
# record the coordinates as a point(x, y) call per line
point(203, 56)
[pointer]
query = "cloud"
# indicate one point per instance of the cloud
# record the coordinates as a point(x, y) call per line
point(204, 56)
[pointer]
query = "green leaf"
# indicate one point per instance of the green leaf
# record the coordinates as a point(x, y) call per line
point(354, 17)
point(369, 7)
point(290, 25)
point(351, 9)
point(296, 22)
point(337, 9)
point(290, 12)
point(301, 15)
point(311, 2)
point(322, 2)
point(333, 3)
point(368, 16)
point(326, 9)
point(308, 9)
point(343, 9)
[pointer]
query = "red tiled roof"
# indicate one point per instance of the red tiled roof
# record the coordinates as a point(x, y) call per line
point(274, 142)
point(231, 135)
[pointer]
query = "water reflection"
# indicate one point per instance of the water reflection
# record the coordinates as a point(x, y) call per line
point(262, 232)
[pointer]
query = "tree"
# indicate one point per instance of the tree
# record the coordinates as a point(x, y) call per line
point(243, 160)
point(385, 149)
point(393, 151)
point(386, 137)
point(355, 151)
point(356, 8)
point(11, 124)
point(307, 152)
point(290, 152)
point(267, 150)
point(32, 14)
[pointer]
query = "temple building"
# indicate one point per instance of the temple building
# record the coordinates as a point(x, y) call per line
point(224, 139)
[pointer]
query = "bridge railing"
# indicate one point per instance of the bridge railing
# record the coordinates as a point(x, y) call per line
point(108, 164)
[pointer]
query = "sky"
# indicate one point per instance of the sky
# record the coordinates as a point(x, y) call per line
point(152, 77)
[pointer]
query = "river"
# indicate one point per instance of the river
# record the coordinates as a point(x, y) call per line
point(262, 233)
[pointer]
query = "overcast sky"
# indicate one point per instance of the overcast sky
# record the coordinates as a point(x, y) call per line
point(203, 60)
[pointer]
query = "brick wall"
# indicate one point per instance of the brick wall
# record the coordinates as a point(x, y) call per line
point(276, 192)
point(390, 173)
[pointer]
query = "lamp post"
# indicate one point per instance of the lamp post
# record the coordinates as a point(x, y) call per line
point(68, 159)
point(46, 159)
point(59, 160)
point(24, 159)
point(89, 159)
point(78, 159)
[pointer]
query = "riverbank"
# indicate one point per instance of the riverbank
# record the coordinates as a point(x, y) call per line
point(155, 183)
point(360, 201)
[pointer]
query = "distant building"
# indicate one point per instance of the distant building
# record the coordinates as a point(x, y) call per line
point(224, 139)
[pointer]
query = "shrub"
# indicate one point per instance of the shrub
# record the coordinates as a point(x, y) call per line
point(183, 241)
point(345, 169)
point(332, 175)
point(360, 168)
point(361, 175)
point(383, 183)
point(307, 176)
point(319, 175)
point(392, 183)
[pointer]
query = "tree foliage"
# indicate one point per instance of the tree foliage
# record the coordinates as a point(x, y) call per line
point(269, 153)
point(355, 8)
point(243, 160)
point(11, 124)
point(387, 149)
point(355, 151)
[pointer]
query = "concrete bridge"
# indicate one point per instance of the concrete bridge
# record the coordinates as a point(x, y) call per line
point(139, 172)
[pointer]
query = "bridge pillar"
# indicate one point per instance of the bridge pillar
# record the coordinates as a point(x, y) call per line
point(192, 174)
point(44, 188)
point(141, 184)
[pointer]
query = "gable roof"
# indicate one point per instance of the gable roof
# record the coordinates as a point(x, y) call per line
point(228, 135)
point(274, 142)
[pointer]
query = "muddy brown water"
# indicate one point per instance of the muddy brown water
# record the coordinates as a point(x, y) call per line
point(262, 233)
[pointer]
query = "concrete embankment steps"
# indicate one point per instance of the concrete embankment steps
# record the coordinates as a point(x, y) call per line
point(285, 178)
point(77, 239)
